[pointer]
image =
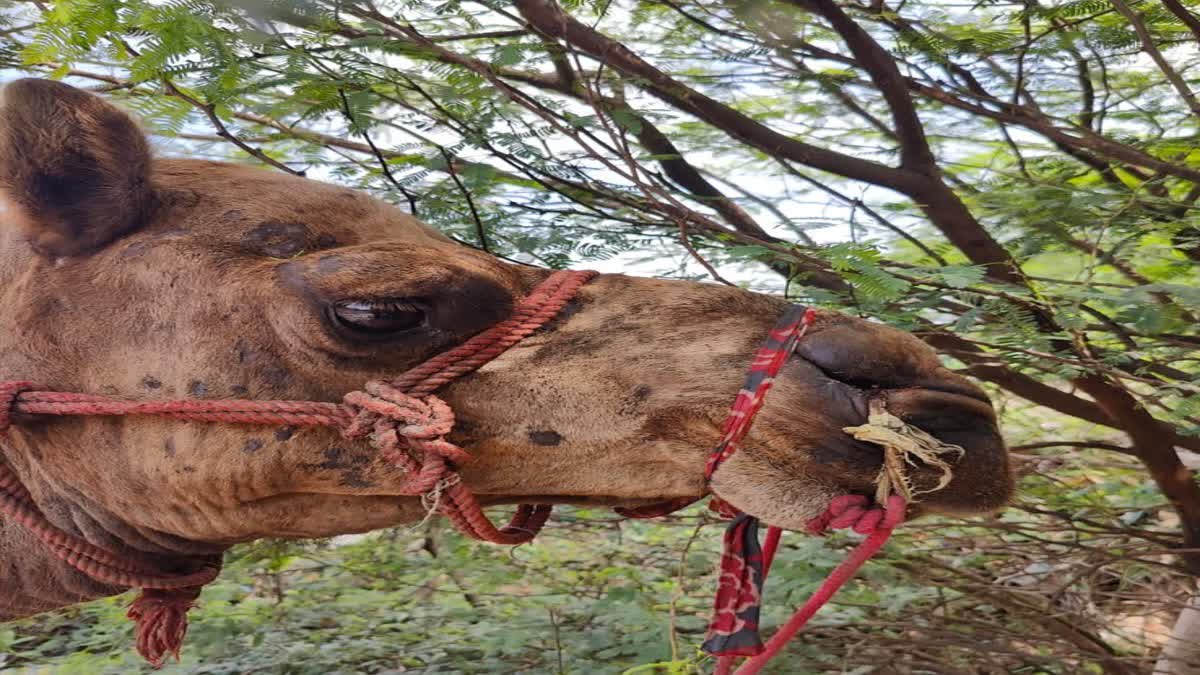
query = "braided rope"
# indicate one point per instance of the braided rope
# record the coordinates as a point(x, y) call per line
point(403, 420)
point(539, 307)
point(878, 523)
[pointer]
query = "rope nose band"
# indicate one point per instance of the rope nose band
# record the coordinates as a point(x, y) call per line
point(733, 630)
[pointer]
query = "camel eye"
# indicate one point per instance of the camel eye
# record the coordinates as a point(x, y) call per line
point(374, 319)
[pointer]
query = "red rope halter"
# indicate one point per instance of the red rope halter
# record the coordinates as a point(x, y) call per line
point(409, 425)
point(401, 418)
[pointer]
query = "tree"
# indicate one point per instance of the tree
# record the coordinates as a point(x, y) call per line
point(1017, 182)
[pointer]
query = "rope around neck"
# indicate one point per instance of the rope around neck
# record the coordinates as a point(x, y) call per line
point(402, 419)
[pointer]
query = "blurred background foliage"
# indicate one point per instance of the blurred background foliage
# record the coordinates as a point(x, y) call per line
point(1013, 180)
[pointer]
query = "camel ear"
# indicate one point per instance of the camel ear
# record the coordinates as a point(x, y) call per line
point(75, 169)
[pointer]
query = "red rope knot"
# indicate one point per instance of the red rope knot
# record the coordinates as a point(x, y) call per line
point(10, 393)
point(408, 431)
point(161, 618)
point(858, 513)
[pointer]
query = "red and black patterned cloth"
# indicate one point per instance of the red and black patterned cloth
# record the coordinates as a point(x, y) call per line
point(733, 630)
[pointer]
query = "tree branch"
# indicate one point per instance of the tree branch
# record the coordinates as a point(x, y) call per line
point(1153, 444)
point(1151, 49)
point(938, 202)
point(915, 154)
point(986, 367)
point(548, 18)
point(210, 112)
point(1189, 19)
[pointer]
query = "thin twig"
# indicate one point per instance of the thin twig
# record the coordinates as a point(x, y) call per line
point(479, 231)
point(383, 163)
point(209, 111)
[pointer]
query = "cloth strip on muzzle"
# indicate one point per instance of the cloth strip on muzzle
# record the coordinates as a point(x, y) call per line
point(734, 628)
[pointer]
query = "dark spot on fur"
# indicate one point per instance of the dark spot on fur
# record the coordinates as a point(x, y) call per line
point(48, 307)
point(348, 464)
point(169, 447)
point(354, 479)
point(276, 375)
point(188, 469)
point(184, 199)
point(239, 390)
point(566, 347)
point(466, 432)
point(233, 215)
point(151, 382)
point(197, 388)
point(278, 239)
point(339, 458)
point(252, 446)
point(548, 437)
point(632, 403)
point(325, 240)
point(330, 264)
point(573, 307)
point(284, 433)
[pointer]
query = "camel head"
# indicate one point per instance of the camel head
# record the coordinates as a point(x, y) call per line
point(151, 278)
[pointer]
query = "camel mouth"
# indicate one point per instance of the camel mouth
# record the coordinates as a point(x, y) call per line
point(941, 409)
point(965, 390)
point(870, 386)
point(592, 501)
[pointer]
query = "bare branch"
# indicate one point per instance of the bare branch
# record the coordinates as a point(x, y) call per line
point(942, 206)
point(383, 163)
point(210, 112)
point(915, 154)
point(548, 18)
point(479, 230)
point(1153, 443)
point(1189, 19)
point(1098, 445)
point(1151, 49)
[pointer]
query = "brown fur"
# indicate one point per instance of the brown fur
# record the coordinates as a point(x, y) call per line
point(172, 278)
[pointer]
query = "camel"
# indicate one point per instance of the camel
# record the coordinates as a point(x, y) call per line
point(147, 278)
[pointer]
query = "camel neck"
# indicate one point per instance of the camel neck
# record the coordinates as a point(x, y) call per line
point(33, 579)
